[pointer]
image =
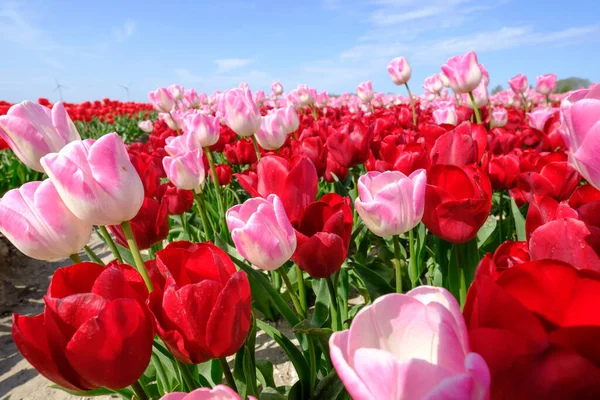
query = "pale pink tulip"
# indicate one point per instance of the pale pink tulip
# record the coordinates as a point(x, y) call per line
point(240, 111)
point(275, 128)
point(480, 94)
point(259, 98)
point(219, 392)
point(146, 126)
point(192, 98)
point(291, 118)
point(580, 128)
point(96, 180)
point(546, 84)
point(399, 70)
point(262, 232)
point(177, 92)
point(36, 220)
point(205, 129)
point(463, 72)
point(445, 114)
point(433, 84)
point(174, 119)
point(538, 117)
point(499, 117)
point(322, 99)
point(186, 171)
point(410, 346)
point(518, 83)
point(485, 76)
point(364, 91)
point(162, 100)
point(391, 203)
point(32, 131)
point(304, 96)
point(277, 88)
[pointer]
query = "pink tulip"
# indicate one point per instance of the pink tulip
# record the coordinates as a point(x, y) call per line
point(96, 180)
point(364, 91)
point(275, 128)
point(518, 83)
point(192, 98)
point(174, 119)
point(146, 126)
point(499, 117)
point(202, 128)
point(445, 114)
point(480, 94)
point(539, 116)
point(219, 392)
point(36, 220)
point(399, 70)
point(463, 72)
point(177, 92)
point(186, 171)
point(291, 118)
point(304, 96)
point(391, 203)
point(485, 76)
point(433, 84)
point(259, 98)
point(277, 88)
point(410, 346)
point(162, 100)
point(546, 84)
point(322, 99)
point(580, 128)
point(32, 131)
point(262, 232)
point(240, 111)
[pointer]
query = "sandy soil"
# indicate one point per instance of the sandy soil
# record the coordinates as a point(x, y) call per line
point(23, 282)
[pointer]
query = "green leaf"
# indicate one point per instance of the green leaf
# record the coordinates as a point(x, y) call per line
point(264, 369)
point(485, 232)
point(321, 334)
point(322, 303)
point(519, 220)
point(271, 394)
point(211, 373)
point(376, 285)
point(329, 388)
point(126, 393)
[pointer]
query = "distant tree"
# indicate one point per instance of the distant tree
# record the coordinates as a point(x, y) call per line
point(497, 88)
point(567, 84)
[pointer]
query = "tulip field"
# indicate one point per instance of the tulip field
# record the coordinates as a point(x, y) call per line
point(435, 245)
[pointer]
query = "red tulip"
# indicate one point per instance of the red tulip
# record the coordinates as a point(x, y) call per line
point(3, 145)
point(240, 152)
point(456, 147)
point(178, 200)
point(584, 194)
point(510, 253)
point(544, 209)
point(95, 330)
point(502, 170)
point(551, 178)
point(458, 201)
point(203, 310)
point(323, 235)
point(406, 158)
point(313, 148)
point(224, 174)
point(350, 145)
point(149, 226)
point(537, 327)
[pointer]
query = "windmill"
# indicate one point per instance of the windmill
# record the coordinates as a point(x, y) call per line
point(59, 88)
point(126, 89)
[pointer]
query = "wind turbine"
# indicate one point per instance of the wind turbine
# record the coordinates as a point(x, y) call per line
point(59, 88)
point(126, 88)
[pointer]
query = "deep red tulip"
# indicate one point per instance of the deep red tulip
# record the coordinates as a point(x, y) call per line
point(203, 311)
point(502, 170)
point(350, 146)
point(537, 327)
point(323, 235)
point(458, 201)
point(149, 226)
point(406, 158)
point(148, 172)
point(556, 179)
point(333, 167)
point(584, 194)
point(224, 174)
point(240, 152)
point(544, 209)
point(178, 200)
point(95, 330)
point(3, 145)
point(295, 182)
point(314, 148)
point(510, 253)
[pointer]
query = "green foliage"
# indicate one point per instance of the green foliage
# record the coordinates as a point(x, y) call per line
point(572, 83)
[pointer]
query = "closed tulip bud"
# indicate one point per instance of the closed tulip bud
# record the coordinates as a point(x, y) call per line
point(433, 84)
point(259, 98)
point(480, 94)
point(240, 111)
point(177, 92)
point(410, 346)
point(391, 203)
point(179, 145)
point(192, 98)
point(186, 171)
point(445, 114)
point(399, 70)
point(162, 100)
point(174, 119)
point(304, 96)
point(364, 91)
point(149, 226)
point(36, 220)
point(178, 200)
point(291, 118)
point(95, 330)
point(463, 72)
point(146, 126)
point(262, 232)
point(546, 84)
point(518, 84)
point(96, 180)
point(203, 129)
point(277, 88)
point(224, 173)
point(273, 132)
point(485, 76)
point(444, 79)
point(499, 117)
point(32, 131)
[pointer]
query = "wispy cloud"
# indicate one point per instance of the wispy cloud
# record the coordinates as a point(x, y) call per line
point(219, 81)
point(125, 31)
point(229, 64)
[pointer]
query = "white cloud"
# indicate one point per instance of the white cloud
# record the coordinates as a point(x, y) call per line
point(125, 31)
point(218, 81)
point(229, 64)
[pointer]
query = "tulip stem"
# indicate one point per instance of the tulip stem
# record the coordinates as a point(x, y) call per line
point(227, 373)
point(335, 314)
point(75, 258)
point(500, 208)
point(256, 149)
point(524, 102)
point(139, 391)
point(475, 108)
point(175, 123)
point(301, 288)
point(412, 262)
point(90, 253)
point(290, 289)
point(313, 110)
point(135, 252)
point(412, 104)
point(187, 377)
point(111, 244)
point(213, 170)
point(398, 263)
point(199, 199)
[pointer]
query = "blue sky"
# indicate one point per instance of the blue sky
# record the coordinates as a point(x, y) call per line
point(93, 47)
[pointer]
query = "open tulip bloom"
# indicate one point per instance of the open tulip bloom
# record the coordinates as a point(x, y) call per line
point(432, 246)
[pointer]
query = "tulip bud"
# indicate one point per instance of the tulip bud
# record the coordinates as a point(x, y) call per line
point(277, 88)
point(162, 100)
point(399, 70)
point(146, 126)
point(499, 117)
point(96, 180)
point(240, 111)
point(291, 118)
point(433, 84)
point(262, 232)
point(273, 132)
point(203, 129)
point(546, 84)
point(480, 94)
point(32, 131)
point(445, 114)
point(176, 91)
point(304, 96)
point(186, 171)
point(518, 83)
point(538, 117)
point(463, 72)
point(364, 91)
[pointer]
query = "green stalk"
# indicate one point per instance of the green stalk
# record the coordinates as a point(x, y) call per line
point(111, 244)
point(213, 170)
point(312, 358)
point(412, 262)
point(412, 104)
point(75, 258)
point(139, 391)
point(336, 325)
point(187, 377)
point(256, 149)
point(398, 263)
point(92, 256)
point(290, 289)
point(475, 109)
point(227, 373)
point(135, 252)
point(200, 205)
point(301, 288)
point(500, 209)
